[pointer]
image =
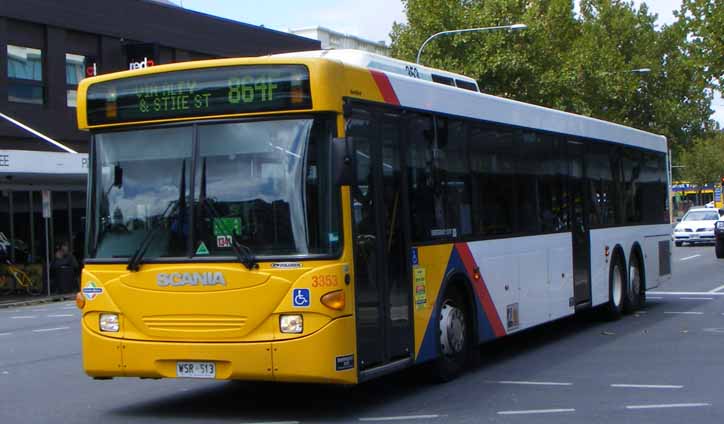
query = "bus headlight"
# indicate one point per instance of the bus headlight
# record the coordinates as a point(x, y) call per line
point(293, 324)
point(109, 323)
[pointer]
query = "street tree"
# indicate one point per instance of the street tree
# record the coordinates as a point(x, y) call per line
point(579, 63)
point(703, 162)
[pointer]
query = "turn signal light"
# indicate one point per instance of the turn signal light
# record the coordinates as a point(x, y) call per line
point(79, 300)
point(334, 300)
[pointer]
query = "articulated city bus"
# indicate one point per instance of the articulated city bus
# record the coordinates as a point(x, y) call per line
point(336, 216)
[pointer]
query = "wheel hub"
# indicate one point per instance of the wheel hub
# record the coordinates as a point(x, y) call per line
point(452, 330)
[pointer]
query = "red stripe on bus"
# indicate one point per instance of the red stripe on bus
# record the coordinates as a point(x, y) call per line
point(383, 83)
point(481, 290)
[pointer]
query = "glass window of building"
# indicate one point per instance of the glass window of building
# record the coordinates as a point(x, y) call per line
point(74, 72)
point(25, 75)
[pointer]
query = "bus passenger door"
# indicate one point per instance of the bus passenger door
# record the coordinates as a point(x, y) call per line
point(579, 226)
point(382, 289)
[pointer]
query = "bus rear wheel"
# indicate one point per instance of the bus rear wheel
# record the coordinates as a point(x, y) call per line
point(636, 292)
point(616, 288)
point(454, 341)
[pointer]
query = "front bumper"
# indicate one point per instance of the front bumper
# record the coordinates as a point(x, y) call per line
point(695, 237)
point(312, 358)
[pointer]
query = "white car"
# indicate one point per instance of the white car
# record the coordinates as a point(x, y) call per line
point(697, 226)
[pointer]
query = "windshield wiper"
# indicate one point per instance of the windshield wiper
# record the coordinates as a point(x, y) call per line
point(134, 264)
point(243, 252)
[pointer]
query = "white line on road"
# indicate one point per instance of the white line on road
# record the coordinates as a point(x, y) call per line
point(69, 307)
point(687, 293)
point(535, 383)
point(400, 418)
point(654, 297)
point(43, 330)
point(60, 315)
point(696, 298)
point(24, 317)
point(648, 386)
point(668, 405)
point(38, 310)
point(275, 422)
point(537, 411)
point(720, 288)
point(685, 313)
point(6, 334)
point(689, 257)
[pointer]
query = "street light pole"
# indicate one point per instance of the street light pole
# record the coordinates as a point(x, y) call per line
point(513, 27)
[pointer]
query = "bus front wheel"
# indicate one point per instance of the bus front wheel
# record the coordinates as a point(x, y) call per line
point(455, 341)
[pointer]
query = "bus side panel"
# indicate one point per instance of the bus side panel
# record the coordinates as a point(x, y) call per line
point(517, 283)
point(647, 236)
point(530, 279)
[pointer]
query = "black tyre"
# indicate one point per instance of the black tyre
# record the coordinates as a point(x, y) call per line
point(678, 243)
point(616, 288)
point(719, 248)
point(454, 336)
point(635, 294)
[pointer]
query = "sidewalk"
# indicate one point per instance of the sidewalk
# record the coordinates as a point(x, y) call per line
point(15, 301)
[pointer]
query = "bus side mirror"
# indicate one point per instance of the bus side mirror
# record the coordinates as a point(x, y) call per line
point(117, 176)
point(721, 211)
point(342, 172)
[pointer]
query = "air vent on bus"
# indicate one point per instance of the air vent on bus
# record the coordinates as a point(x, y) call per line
point(466, 85)
point(443, 80)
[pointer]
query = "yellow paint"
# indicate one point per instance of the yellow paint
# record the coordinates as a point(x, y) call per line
point(433, 259)
point(236, 325)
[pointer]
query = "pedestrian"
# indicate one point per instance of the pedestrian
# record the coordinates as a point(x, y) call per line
point(64, 269)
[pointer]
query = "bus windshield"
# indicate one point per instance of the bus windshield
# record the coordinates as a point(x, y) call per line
point(195, 190)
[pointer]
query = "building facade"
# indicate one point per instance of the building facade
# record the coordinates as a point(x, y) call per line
point(336, 40)
point(46, 48)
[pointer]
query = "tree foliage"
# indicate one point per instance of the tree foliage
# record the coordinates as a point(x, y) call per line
point(579, 63)
point(703, 162)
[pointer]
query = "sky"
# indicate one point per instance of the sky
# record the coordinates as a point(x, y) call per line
point(373, 21)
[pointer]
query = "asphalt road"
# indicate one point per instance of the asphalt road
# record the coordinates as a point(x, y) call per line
point(663, 365)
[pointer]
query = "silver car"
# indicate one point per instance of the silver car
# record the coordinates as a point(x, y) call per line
point(697, 226)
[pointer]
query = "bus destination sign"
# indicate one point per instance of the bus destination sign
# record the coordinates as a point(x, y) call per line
point(199, 92)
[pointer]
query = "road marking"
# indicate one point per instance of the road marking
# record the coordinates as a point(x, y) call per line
point(43, 330)
point(718, 289)
point(400, 418)
point(38, 310)
point(654, 297)
point(535, 383)
point(668, 405)
point(648, 386)
point(537, 411)
point(685, 313)
point(6, 334)
point(689, 257)
point(60, 315)
point(24, 317)
point(687, 293)
point(69, 307)
point(696, 298)
point(275, 422)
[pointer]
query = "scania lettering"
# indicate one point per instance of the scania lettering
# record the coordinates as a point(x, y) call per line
point(335, 216)
point(190, 279)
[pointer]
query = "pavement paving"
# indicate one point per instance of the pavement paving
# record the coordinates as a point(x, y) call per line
point(662, 365)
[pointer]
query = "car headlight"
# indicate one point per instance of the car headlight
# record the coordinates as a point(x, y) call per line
point(109, 323)
point(293, 324)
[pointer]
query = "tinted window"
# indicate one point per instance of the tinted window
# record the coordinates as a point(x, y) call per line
point(443, 80)
point(600, 165)
point(426, 195)
point(451, 169)
point(466, 85)
point(492, 159)
point(632, 197)
point(654, 189)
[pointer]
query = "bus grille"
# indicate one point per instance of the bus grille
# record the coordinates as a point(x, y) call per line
point(200, 323)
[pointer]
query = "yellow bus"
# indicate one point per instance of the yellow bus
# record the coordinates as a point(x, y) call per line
point(336, 216)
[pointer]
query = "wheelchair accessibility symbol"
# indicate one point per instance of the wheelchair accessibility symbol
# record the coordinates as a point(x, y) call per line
point(300, 298)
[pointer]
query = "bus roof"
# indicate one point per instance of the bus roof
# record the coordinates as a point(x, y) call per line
point(387, 64)
point(425, 94)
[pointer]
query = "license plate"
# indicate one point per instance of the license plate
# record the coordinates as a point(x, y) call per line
point(196, 369)
point(695, 236)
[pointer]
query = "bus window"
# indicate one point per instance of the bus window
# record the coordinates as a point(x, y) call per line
point(492, 161)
